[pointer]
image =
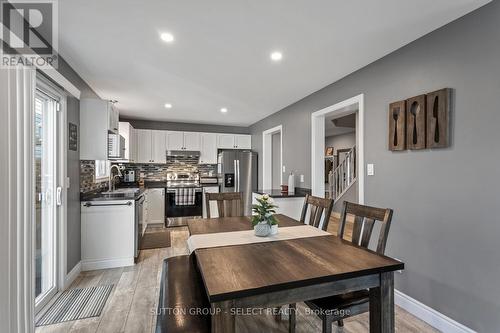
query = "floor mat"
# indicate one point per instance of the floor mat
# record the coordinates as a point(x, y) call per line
point(155, 240)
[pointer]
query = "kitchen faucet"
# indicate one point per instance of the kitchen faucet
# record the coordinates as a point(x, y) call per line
point(111, 184)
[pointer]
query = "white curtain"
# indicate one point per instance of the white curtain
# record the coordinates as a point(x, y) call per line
point(17, 89)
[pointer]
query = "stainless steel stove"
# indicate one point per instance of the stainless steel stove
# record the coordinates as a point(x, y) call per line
point(183, 195)
point(183, 180)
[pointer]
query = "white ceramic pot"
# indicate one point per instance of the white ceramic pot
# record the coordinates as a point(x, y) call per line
point(262, 229)
point(274, 229)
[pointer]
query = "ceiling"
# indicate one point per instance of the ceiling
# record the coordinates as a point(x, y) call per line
point(335, 125)
point(220, 56)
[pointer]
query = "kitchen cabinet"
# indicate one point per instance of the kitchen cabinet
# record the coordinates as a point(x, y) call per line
point(234, 141)
point(97, 119)
point(159, 147)
point(208, 148)
point(155, 206)
point(183, 140)
point(129, 134)
point(107, 234)
point(151, 146)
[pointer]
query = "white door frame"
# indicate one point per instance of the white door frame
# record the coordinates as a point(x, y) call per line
point(267, 156)
point(318, 144)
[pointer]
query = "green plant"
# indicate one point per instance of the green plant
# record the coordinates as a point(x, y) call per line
point(264, 210)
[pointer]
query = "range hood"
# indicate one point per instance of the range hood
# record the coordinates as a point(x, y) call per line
point(183, 153)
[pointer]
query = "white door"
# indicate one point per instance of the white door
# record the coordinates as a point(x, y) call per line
point(144, 149)
point(243, 141)
point(175, 140)
point(159, 143)
point(208, 151)
point(191, 141)
point(47, 195)
point(225, 141)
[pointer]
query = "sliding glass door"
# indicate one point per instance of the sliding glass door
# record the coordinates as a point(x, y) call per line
point(47, 196)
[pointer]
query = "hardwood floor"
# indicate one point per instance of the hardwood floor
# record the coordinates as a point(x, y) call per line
point(132, 302)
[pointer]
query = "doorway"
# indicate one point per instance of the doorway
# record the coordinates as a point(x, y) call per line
point(319, 119)
point(48, 176)
point(272, 159)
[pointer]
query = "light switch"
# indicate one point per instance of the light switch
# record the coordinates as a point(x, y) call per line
point(284, 170)
point(370, 169)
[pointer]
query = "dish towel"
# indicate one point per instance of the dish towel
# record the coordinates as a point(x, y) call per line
point(204, 241)
point(184, 196)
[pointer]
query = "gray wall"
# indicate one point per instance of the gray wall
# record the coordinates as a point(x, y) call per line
point(341, 141)
point(73, 166)
point(444, 228)
point(276, 160)
point(171, 126)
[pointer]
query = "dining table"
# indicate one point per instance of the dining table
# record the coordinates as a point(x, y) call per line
point(276, 272)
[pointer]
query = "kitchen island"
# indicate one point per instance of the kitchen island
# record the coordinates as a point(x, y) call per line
point(289, 204)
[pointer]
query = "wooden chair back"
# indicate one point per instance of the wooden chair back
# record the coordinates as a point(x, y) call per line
point(228, 203)
point(317, 206)
point(364, 220)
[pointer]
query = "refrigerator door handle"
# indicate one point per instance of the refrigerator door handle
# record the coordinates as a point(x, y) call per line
point(238, 175)
point(235, 175)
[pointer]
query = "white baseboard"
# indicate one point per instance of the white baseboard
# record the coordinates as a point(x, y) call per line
point(71, 276)
point(429, 315)
point(90, 265)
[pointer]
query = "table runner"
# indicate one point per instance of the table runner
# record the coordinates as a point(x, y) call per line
point(248, 237)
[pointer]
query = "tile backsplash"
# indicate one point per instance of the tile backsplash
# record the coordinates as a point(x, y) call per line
point(151, 171)
point(87, 178)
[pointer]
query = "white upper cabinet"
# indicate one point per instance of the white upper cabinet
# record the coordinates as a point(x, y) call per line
point(243, 141)
point(234, 141)
point(183, 140)
point(208, 149)
point(175, 140)
point(191, 141)
point(159, 146)
point(225, 141)
point(144, 147)
point(113, 119)
point(97, 119)
point(129, 134)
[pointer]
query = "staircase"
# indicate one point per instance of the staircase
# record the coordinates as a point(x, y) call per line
point(343, 176)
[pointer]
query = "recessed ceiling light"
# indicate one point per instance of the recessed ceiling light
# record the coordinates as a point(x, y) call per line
point(276, 56)
point(167, 37)
point(168, 105)
point(223, 110)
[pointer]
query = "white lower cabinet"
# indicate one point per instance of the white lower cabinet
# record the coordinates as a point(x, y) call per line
point(107, 231)
point(155, 206)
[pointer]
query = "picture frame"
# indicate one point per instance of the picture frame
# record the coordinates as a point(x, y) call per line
point(329, 151)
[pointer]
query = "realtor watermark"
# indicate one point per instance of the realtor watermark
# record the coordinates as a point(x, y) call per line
point(29, 33)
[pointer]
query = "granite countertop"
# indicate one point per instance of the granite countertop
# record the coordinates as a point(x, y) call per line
point(276, 193)
point(101, 196)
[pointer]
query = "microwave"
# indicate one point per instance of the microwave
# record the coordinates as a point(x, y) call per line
point(116, 146)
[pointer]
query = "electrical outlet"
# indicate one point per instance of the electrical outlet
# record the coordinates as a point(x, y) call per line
point(284, 169)
point(370, 169)
point(302, 178)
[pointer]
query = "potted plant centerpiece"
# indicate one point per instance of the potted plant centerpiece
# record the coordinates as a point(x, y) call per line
point(263, 220)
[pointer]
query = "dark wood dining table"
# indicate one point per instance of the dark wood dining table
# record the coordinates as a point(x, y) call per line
point(269, 274)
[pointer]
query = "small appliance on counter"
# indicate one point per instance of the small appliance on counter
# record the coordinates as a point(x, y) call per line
point(129, 176)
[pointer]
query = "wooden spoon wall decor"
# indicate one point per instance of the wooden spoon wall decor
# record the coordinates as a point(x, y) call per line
point(397, 126)
point(416, 122)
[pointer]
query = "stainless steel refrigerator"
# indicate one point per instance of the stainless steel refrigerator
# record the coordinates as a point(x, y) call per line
point(238, 173)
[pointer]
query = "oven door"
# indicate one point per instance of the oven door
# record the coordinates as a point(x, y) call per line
point(174, 210)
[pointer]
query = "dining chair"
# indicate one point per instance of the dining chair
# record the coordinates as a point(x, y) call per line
point(339, 307)
point(228, 203)
point(316, 207)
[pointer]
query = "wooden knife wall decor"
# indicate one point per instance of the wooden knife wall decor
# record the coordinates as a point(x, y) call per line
point(420, 122)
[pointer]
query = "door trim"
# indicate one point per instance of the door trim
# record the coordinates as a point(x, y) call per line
point(318, 144)
point(267, 156)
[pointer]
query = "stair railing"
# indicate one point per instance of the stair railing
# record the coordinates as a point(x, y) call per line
point(344, 175)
